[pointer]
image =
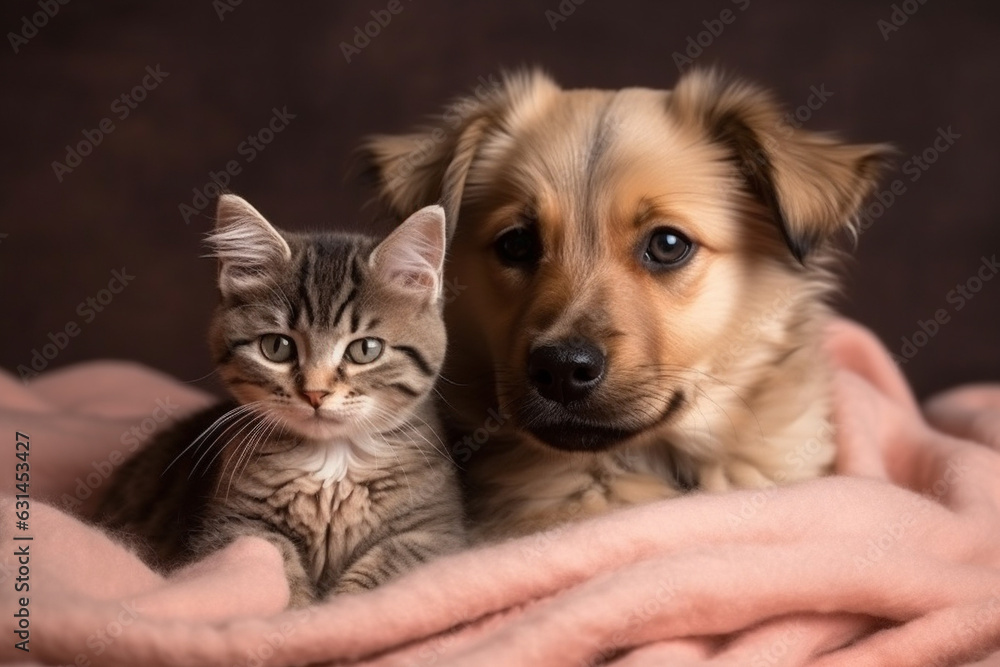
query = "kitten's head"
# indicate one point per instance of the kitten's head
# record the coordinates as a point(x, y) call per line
point(331, 335)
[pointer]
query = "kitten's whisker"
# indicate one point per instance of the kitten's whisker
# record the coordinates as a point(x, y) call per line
point(420, 450)
point(233, 446)
point(206, 375)
point(252, 440)
point(204, 434)
point(253, 420)
point(392, 450)
point(416, 431)
point(444, 378)
point(240, 448)
point(443, 399)
point(265, 438)
point(221, 434)
point(441, 447)
point(227, 418)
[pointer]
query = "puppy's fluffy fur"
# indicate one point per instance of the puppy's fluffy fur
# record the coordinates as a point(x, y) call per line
point(714, 377)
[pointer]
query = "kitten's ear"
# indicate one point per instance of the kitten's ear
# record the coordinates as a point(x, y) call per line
point(411, 258)
point(245, 243)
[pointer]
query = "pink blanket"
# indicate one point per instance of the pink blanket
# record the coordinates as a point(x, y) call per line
point(896, 561)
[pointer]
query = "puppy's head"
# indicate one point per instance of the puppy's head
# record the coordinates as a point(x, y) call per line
point(610, 249)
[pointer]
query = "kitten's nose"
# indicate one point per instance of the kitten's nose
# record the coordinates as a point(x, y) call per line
point(315, 398)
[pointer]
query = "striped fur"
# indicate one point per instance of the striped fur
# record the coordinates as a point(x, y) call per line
point(337, 462)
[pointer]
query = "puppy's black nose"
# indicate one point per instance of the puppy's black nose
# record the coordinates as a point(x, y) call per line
point(566, 371)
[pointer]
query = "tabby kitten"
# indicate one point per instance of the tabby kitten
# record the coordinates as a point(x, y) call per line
point(330, 344)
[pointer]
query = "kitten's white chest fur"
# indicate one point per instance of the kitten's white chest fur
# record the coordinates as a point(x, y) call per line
point(329, 462)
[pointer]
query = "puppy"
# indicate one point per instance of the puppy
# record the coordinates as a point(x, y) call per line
point(639, 281)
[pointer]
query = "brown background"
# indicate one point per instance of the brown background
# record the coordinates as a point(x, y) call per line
point(119, 208)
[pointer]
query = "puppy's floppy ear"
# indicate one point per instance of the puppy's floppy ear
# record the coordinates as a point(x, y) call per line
point(430, 166)
point(812, 184)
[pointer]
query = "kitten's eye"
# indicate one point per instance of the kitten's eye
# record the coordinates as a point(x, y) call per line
point(365, 350)
point(277, 348)
point(517, 246)
point(667, 247)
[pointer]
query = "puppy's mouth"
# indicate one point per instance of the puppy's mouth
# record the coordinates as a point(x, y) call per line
point(569, 431)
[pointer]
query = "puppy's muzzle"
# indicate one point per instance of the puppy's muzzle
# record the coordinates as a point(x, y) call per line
point(566, 371)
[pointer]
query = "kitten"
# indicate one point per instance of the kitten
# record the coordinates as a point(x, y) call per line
point(330, 344)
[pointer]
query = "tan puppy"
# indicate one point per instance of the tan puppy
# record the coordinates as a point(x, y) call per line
point(641, 278)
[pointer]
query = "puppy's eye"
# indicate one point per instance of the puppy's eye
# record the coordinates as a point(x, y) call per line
point(365, 350)
point(277, 348)
point(517, 246)
point(667, 247)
